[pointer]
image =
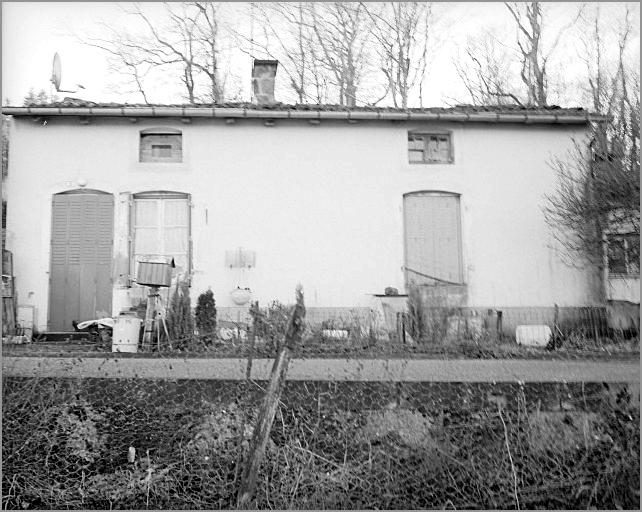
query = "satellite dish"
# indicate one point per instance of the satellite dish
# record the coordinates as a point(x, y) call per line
point(56, 72)
point(56, 75)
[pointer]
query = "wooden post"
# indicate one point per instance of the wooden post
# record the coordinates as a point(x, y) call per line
point(270, 403)
point(252, 340)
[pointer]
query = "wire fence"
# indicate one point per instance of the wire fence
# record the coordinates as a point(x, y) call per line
point(406, 323)
point(400, 331)
point(155, 444)
point(409, 330)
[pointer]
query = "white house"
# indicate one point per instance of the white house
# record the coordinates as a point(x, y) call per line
point(345, 201)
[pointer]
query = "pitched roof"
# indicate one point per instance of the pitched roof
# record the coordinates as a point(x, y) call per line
point(484, 113)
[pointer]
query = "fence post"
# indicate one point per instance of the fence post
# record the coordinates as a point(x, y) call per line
point(270, 403)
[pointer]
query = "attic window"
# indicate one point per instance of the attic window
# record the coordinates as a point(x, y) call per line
point(624, 254)
point(161, 146)
point(430, 148)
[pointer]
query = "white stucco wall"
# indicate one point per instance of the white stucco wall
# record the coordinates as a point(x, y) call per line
point(320, 205)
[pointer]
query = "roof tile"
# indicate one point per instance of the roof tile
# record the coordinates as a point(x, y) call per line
point(458, 109)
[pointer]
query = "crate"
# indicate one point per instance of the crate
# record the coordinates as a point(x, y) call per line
point(154, 273)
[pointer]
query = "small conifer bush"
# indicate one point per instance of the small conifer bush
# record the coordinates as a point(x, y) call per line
point(179, 316)
point(206, 315)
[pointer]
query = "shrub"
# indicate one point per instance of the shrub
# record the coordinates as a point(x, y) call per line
point(271, 323)
point(417, 318)
point(180, 322)
point(205, 315)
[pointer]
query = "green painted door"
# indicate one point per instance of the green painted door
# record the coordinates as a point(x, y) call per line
point(82, 230)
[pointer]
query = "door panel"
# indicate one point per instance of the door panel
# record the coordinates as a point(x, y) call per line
point(432, 238)
point(81, 255)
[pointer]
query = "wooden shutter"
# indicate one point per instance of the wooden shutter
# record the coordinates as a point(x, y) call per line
point(81, 257)
point(433, 237)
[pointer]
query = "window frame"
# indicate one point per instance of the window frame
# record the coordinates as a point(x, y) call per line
point(161, 195)
point(176, 153)
point(425, 135)
point(630, 268)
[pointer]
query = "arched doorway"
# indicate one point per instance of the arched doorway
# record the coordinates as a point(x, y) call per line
point(82, 231)
point(432, 226)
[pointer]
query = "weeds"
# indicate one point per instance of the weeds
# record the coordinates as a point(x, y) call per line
point(270, 324)
point(180, 321)
point(433, 325)
point(365, 445)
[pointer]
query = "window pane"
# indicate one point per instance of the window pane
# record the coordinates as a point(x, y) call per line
point(175, 240)
point(617, 262)
point(633, 253)
point(416, 143)
point(147, 241)
point(176, 141)
point(147, 212)
point(444, 150)
point(416, 156)
point(176, 212)
point(161, 150)
point(433, 149)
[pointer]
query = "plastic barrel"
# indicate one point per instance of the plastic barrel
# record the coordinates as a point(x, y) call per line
point(533, 335)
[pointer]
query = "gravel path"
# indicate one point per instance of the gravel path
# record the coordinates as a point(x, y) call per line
point(417, 370)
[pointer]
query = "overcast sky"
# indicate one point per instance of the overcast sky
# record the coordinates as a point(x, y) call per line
point(33, 31)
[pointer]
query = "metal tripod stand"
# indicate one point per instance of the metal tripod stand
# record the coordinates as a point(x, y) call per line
point(154, 317)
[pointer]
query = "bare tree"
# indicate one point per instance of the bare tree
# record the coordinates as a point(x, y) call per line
point(485, 71)
point(124, 58)
point(340, 44)
point(534, 57)
point(599, 193)
point(495, 71)
point(288, 38)
point(186, 43)
point(401, 31)
point(322, 47)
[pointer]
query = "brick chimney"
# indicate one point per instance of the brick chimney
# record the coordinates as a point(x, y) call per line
point(263, 74)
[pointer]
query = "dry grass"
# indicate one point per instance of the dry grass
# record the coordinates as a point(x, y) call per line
point(372, 445)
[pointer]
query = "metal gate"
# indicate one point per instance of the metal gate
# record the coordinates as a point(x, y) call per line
point(82, 229)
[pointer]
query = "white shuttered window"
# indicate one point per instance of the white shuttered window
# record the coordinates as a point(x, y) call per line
point(161, 227)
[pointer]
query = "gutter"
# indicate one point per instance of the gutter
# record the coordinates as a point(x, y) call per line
point(245, 113)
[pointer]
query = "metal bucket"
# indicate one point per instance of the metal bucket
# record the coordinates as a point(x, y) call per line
point(126, 334)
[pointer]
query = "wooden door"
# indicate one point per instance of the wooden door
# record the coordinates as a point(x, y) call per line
point(432, 238)
point(82, 229)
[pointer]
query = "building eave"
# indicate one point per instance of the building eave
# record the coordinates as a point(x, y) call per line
point(349, 115)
